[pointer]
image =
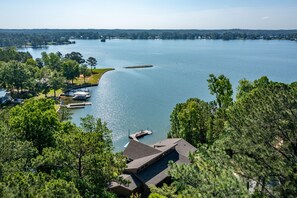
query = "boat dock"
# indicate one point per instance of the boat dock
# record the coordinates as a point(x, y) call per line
point(77, 105)
point(140, 134)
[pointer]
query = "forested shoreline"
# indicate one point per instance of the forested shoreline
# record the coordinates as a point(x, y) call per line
point(42, 37)
point(245, 148)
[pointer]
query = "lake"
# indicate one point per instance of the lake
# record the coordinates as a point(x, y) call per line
point(134, 99)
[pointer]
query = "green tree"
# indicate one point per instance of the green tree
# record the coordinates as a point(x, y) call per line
point(84, 71)
point(45, 58)
point(243, 88)
point(64, 114)
point(15, 75)
point(88, 124)
point(56, 81)
point(30, 185)
point(261, 136)
point(189, 120)
point(59, 54)
point(70, 70)
point(52, 61)
point(58, 188)
point(262, 82)
point(257, 131)
point(22, 184)
point(2, 74)
point(39, 62)
point(84, 157)
point(42, 79)
point(92, 62)
point(208, 175)
point(15, 154)
point(222, 89)
point(75, 56)
point(246, 86)
point(11, 54)
point(164, 191)
point(31, 61)
point(35, 121)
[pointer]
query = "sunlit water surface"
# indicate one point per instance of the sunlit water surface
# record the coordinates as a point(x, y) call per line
point(130, 100)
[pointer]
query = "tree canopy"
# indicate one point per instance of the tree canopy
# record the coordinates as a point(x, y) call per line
point(220, 87)
point(75, 56)
point(262, 137)
point(71, 70)
point(42, 156)
point(92, 62)
point(35, 121)
point(251, 142)
point(190, 121)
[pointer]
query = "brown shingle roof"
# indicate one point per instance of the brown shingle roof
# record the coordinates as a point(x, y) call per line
point(133, 182)
point(149, 164)
point(184, 148)
point(157, 172)
point(142, 154)
point(136, 150)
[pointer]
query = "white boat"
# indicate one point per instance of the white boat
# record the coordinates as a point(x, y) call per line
point(80, 95)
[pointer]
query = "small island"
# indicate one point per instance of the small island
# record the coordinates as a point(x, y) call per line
point(138, 66)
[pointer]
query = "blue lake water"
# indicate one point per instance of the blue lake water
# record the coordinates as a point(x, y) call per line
point(144, 98)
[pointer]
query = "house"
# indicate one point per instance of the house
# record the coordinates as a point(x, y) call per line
point(4, 96)
point(148, 165)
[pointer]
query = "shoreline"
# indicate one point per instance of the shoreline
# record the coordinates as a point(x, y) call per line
point(97, 75)
point(92, 80)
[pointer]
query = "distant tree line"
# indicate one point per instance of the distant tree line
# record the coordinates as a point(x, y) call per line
point(32, 39)
point(43, 37)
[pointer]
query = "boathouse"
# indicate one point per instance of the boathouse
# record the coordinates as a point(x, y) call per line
point(148, 165)
point(4, 96)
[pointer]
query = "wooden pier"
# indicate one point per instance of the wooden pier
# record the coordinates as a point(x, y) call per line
point(77, 105)
point(140, 134)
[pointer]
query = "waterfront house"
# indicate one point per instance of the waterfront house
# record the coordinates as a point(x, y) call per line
point(148, 165)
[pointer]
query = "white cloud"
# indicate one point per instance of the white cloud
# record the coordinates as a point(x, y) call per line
point(265, 18)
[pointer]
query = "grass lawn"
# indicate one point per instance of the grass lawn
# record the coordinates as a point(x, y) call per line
point(94, 78)
point(50, 94)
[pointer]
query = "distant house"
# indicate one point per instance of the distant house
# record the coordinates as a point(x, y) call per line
point(148, 165)
point(4, 96)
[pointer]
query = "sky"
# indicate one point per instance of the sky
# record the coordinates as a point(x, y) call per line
point(148, 14)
